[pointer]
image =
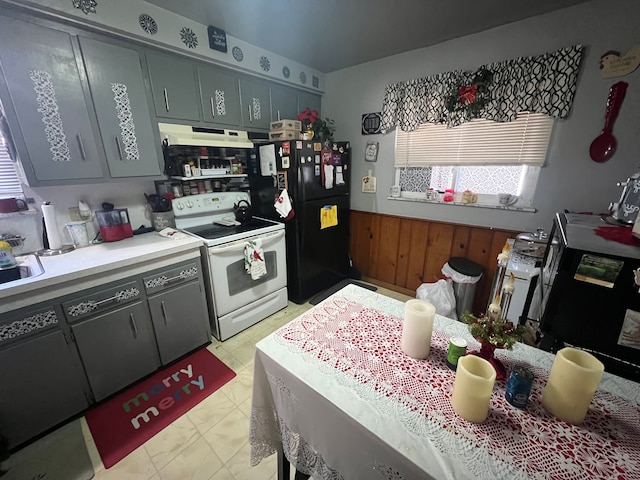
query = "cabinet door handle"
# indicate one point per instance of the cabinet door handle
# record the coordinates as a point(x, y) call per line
point(132, 321)
point(250, 118)
point(164, 312)
point(119, 147)
point(213, 113)
point(166, 100)
point(83, 153)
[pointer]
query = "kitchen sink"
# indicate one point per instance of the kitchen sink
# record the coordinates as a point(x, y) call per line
point(28, 266)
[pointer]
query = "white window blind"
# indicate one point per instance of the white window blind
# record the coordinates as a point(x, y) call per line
point(479, 142)
point(9, 184)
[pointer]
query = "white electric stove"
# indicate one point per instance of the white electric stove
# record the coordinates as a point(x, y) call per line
point(236, 301)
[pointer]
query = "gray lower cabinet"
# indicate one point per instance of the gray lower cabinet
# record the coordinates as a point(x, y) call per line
point(255, 103)
point(219, 96)
point(114, 336)
point(41, 376)
point(173, 85)
point(45, 86)
point(117, 348)
point(118, 92)
point(284, 103)
point(173, 314)
point(178, 309)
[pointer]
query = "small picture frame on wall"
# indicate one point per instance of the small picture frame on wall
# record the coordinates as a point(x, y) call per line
point(217, 39)
point(371, 123)
point(371, 152)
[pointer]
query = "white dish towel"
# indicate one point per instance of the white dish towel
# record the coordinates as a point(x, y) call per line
point(254, 263)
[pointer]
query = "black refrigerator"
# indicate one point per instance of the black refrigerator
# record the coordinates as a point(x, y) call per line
point(317, 181)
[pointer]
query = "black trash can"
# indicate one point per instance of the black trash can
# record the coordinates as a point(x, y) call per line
point(465, 274)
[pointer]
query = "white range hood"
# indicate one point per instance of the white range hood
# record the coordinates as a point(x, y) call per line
point(203, 137)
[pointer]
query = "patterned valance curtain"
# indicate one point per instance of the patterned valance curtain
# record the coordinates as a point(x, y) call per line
point(541, 84)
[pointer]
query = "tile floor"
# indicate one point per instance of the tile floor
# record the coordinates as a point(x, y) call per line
point(211, 441)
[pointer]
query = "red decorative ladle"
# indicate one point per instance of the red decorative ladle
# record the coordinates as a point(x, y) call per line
point(604, 146)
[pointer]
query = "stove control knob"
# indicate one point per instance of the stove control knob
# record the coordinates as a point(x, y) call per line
point(189, 204)
point(179, 206)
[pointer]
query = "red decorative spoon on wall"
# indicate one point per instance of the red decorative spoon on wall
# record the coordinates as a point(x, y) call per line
point(604, 146)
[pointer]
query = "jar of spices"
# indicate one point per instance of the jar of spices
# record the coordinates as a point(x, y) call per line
point(201, 187)
point(176, 190)
point(186, 189)
point(208, 186)
point(193, 187)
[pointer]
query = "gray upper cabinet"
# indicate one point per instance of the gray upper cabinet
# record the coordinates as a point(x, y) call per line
point(219, 96)
point(255, 103)
point(117, 89)
point(174, 88)
point(47, 95)
point(284, 103)
point(308, 100)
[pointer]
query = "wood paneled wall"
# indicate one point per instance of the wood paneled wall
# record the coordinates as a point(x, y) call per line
point(404, 252)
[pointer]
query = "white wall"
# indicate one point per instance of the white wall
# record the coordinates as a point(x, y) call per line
point(570, 180)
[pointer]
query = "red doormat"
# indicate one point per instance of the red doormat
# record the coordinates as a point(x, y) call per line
point(126, 421)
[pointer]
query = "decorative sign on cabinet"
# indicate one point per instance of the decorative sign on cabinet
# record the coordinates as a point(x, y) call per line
point(217, 39)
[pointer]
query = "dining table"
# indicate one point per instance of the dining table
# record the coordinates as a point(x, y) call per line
point(334, 393)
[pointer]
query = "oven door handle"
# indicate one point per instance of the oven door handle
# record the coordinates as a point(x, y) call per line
point(266, 239)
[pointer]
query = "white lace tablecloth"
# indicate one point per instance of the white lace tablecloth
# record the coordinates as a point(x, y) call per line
point(334, 387)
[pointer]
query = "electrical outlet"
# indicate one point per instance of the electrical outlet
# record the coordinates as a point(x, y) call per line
point(74, 214)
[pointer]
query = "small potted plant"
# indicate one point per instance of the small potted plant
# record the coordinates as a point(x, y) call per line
point(315, 127)
point(493, 331)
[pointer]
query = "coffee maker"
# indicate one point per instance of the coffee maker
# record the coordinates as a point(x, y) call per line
point(114, 224)
point(625, 210)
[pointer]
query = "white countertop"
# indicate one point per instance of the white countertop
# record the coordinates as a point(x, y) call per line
point(89, 266)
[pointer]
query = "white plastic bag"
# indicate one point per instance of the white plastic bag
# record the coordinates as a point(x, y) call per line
point(441, 295)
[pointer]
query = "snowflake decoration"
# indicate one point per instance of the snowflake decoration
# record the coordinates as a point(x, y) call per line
point(286, 72)
point(237, 53)
point(87, 6)
point(303, 77)
point(188, 37)
point(265, 64)
point(148, 24)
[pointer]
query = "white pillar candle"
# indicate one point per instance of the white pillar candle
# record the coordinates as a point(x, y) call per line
point(417, 328)
point(574, 378)
point(472, 388)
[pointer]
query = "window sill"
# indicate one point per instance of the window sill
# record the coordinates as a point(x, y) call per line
point(513, 208)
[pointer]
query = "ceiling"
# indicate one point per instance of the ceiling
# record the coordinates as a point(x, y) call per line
point(329, 35)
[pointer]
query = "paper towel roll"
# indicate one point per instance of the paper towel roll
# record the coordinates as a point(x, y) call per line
point(50, 223)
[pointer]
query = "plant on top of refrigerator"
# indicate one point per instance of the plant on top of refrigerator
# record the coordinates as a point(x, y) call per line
point(311, 122)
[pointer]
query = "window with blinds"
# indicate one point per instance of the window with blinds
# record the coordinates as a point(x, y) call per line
point(10, 185)
point(477, 143)
point(483, 156)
